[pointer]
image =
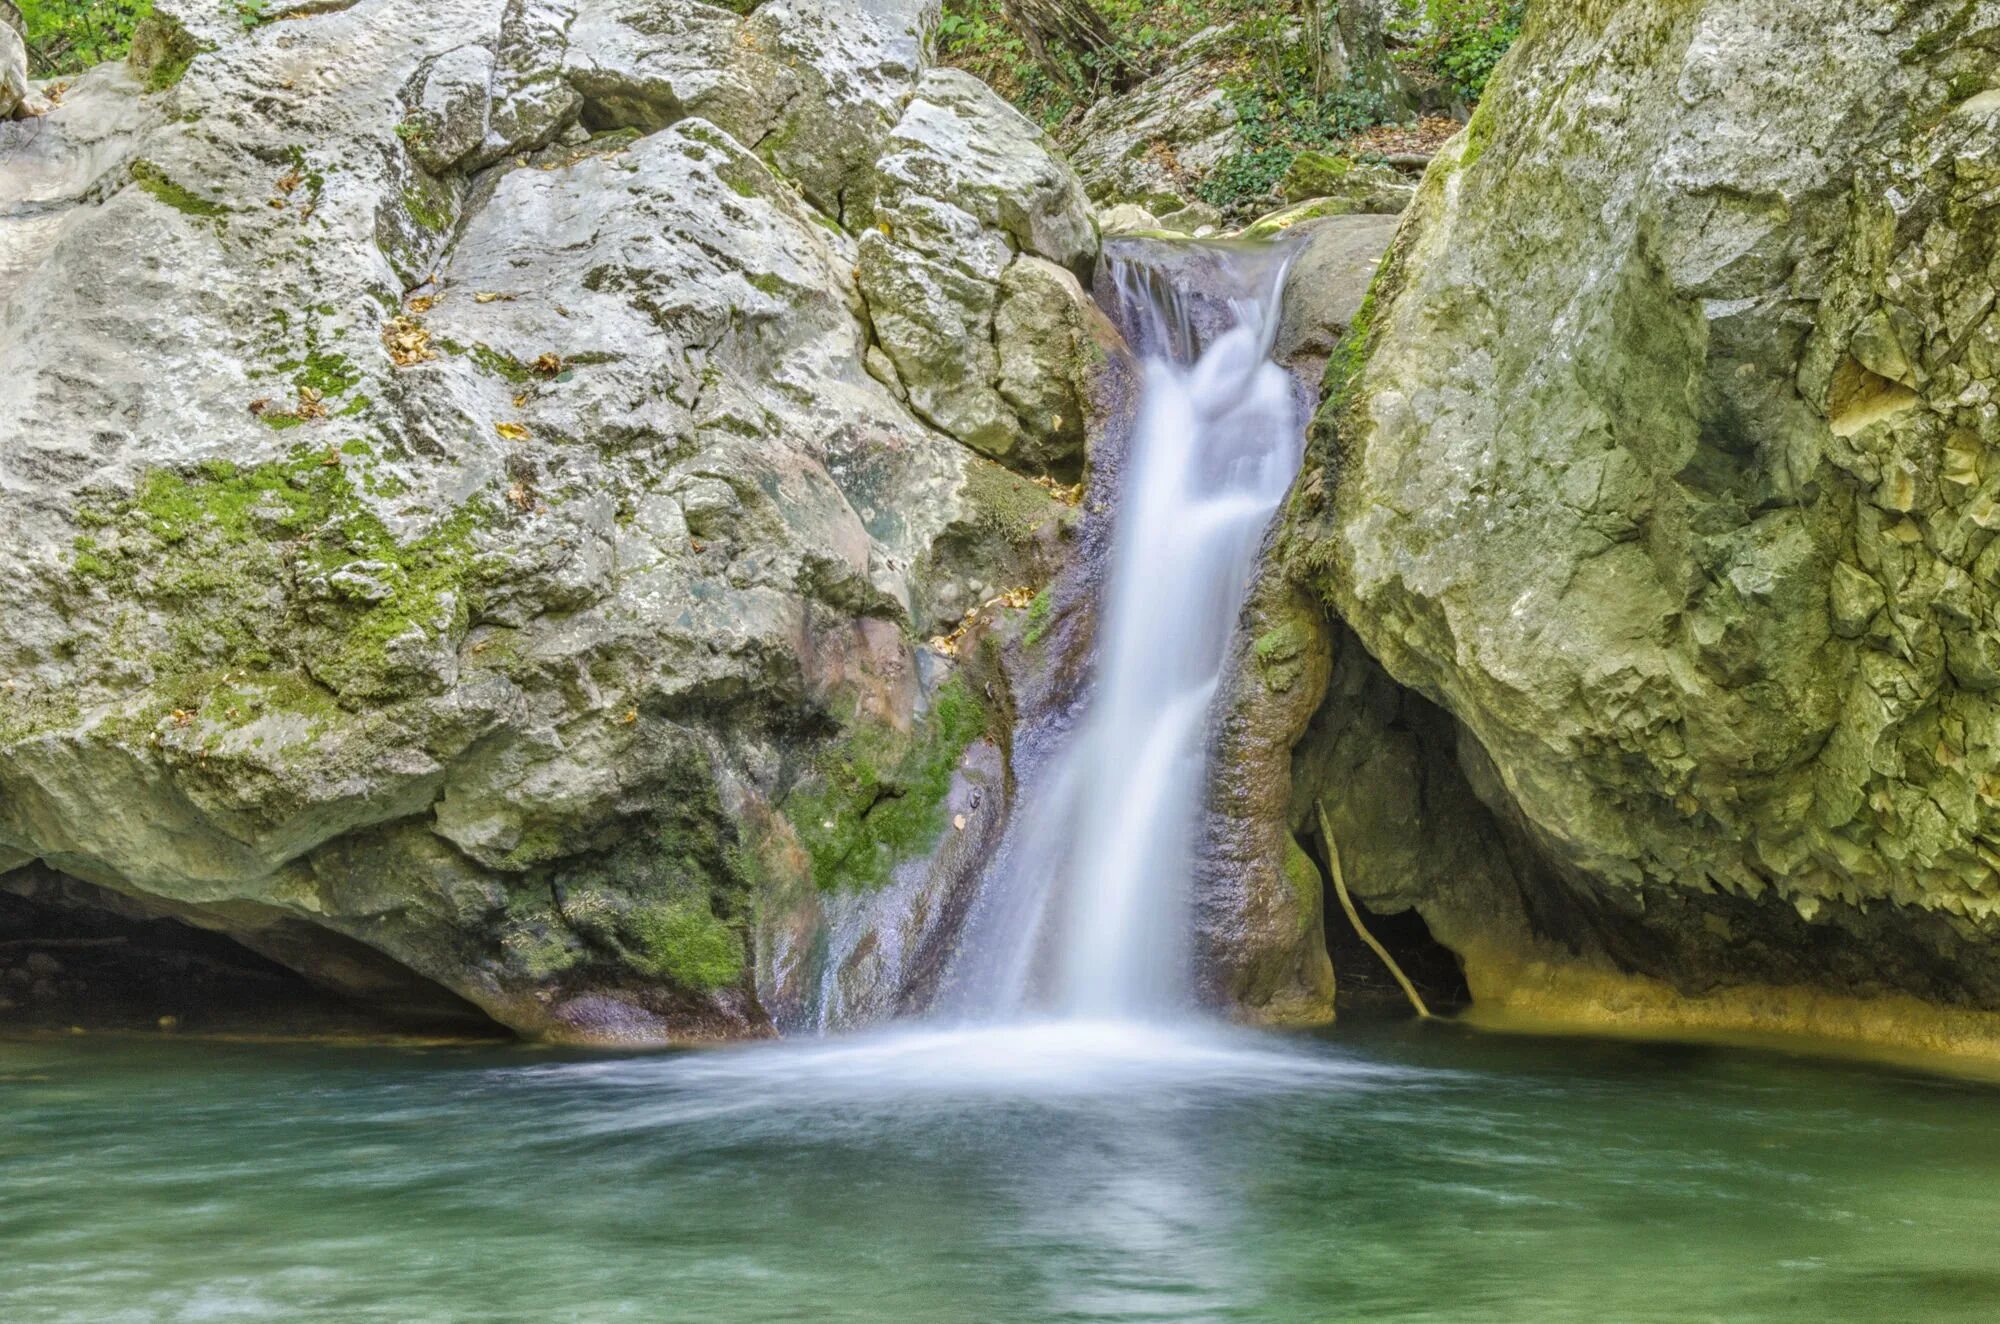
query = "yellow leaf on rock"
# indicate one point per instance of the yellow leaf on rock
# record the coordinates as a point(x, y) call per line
point(511, 431)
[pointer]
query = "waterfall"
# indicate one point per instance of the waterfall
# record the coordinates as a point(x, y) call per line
point(1086, 910)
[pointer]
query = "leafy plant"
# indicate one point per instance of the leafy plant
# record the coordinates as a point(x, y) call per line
point(69, 36)
point(1278, 118)
point(1457, 43)
point(977, 36)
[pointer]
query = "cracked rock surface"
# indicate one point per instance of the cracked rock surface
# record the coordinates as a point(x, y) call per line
point(446, 504)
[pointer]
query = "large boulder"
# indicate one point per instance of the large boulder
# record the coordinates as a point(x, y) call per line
point(977, 218)
point(445, 507)
point(1662, 457)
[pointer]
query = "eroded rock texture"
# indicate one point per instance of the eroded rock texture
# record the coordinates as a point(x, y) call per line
point(445, 501)
point(1664, 459)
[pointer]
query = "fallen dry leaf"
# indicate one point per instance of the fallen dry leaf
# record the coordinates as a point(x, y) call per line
point(408, 342)
point(547, 365)
point(488, 296)
point(511, 431)
point(948, 644)
point(1070, 494)
point(419, 304)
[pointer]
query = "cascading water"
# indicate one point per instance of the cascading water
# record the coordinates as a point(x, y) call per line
point(1085, 913)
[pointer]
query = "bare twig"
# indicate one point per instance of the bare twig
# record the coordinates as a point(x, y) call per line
point(1354, 916)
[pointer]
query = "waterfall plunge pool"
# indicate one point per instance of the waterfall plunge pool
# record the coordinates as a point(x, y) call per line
point(1073, 1171)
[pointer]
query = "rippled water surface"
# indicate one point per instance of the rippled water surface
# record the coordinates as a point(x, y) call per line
point(1077, 1172)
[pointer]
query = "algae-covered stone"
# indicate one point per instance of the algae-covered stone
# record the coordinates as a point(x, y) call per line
point(1658, 458)
point(1345, 185)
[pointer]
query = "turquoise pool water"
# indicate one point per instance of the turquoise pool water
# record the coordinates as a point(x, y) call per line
point(1055, 1173)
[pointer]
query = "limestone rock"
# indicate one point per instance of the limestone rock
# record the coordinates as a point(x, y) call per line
point(448, 514)
point(18, 97)
point(1126, 218)
point(1153, 144)
point(1660, 459)
point(1337, 258)
point(965, 189)
point(812, 85)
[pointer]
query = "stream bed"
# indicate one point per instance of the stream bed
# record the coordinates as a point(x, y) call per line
point(1074, 1171)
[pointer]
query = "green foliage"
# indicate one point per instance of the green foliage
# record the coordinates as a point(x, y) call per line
point(69, 36)
point(879, 798)
point(1279, 117)
point(1456, 43)
point(974, 35)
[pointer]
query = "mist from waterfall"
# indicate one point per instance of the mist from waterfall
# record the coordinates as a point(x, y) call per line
point(1086, 911)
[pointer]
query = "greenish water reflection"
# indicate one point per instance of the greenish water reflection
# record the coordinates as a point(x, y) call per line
point(1076, 1173)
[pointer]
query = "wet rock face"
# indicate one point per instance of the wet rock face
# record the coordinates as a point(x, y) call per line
point(1259, 897)
point(451, 504)
point(1664, 460)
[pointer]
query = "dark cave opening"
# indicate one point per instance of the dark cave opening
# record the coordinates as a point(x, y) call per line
point(78, 957)
point(1363, 986)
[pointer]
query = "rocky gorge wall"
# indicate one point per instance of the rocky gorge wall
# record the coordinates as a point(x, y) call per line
point(1661, 462)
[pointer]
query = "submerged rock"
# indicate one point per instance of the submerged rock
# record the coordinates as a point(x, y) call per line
point(1661, 459)
point(454, 511)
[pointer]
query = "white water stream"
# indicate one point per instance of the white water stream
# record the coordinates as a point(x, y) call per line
point(1086, 914)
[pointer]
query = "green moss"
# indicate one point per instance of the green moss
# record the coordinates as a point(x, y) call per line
point(329, 374)
point(1280, 652)
point(162, 50)
point(500, 365)
point(425, 212)
point(536, 846)
point(1478, 131)
point(878, 797)
point(1307, 886)
point(1040, 611)
point(768, 283)
point(209, 551)
point(155, 181)
point(1006, 503)
point(685, 942)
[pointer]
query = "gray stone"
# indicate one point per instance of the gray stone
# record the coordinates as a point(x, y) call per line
point(434, 531)
point(966, 189)
point(1659, 460)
